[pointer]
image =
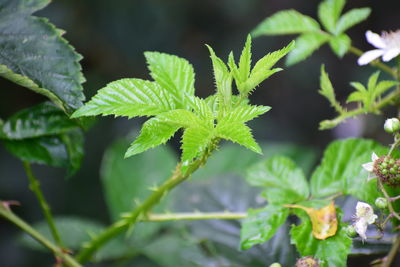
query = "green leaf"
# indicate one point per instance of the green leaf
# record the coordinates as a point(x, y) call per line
point(174, 74)
point(328, 91)
point(160, 129)
point(340, 44)
point(283, 182)
point(203, 109)
point(245, 113)
point(257, 78)
point(128, 180)
point(329, 12)
point(194, 141)
point(286, 22)
point(64, 150)
point(341, 171)
point(245, 60)
point(270, 59)
point(306, 44)
point(383, 86)
point(332, 251)
point(351, 18)
point(44, 119)
point(260, 225)
point(74, 232)
point(130, 98)
point(237, 132)
point(223, 80)
point(34, 55)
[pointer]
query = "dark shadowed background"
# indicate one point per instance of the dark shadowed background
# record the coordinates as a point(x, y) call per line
point(112, 36)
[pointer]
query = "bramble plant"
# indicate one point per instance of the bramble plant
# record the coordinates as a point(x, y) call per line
point(291, 218)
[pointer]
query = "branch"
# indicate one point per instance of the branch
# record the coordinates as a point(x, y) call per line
point(387, 261)
point(141, 211)
point(9, 215)
point(34, 185)
point(195, 216)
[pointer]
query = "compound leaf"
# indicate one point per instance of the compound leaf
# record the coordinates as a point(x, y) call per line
point(306, 44)
point(351, 18)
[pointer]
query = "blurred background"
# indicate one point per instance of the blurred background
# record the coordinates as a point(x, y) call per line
point(112, 36)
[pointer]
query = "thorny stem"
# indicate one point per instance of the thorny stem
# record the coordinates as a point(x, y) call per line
point(375, 63)
point(58, 252)
point(195, 216)
point(387, 261)
point(386, 220)
point(141, 212)
point(392, 199)
point(34, 185)
point(394, 145)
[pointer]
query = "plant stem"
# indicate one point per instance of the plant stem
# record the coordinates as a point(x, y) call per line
point(326, 124)
point(390, 206)
point(374, 63)
point(34, 185)
point(9, 215)
point(195, 216)
point(387, 261)
point(141, 212)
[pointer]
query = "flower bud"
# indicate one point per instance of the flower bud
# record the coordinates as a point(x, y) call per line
point(350, 231)
point(392, 125)
point(381, 203)
point(275, 265)
point(307, 262)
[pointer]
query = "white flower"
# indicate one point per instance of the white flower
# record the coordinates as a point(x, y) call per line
point(388, 44)
point(369, 167)
point(364, 216)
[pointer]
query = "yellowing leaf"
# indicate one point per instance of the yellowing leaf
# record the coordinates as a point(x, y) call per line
point(324, 220)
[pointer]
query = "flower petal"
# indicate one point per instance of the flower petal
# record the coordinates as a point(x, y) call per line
point(369, 167)
point(374, 156)
point(361, 228)
point(368, 56)
point(375, 39)
point(390, 54)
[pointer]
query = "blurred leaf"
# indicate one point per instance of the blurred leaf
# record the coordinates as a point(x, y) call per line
point(341, 171)
point(41, 120)
point(222, 237)
point(73, 230)
point(329, 12)
point(351, 18)
point(306, 44)
point(327, 90)
point(174, 74)
point(332, 251)
point(340, 44)
point(260, 225)
point(65, 150)
point(286, 22)
point(34, 54)
point(130, 98)
point(282, 181)
point(128, 181)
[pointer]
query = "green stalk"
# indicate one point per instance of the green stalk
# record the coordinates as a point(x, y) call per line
point(34, 185)
point(10, 216)
point(142, 210)
point(195, 216)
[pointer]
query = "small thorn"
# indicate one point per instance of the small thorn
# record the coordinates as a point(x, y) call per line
point(8, 203)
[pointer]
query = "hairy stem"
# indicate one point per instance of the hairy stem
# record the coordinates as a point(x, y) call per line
point(141, 212)
point(34, 185)
point(10, 216)
point(195, 216)
point(375, 63)
point(387, 261)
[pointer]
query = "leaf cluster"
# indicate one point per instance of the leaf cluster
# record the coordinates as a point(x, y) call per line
point(367, 97)
point(284, 183)
point(170, 102)
point(312, 36)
